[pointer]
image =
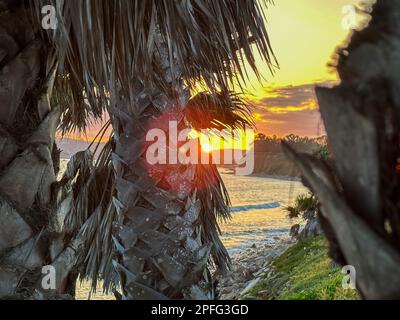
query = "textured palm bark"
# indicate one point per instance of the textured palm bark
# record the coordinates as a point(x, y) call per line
point(360, 194)
point(32, 210)
point(162, 253)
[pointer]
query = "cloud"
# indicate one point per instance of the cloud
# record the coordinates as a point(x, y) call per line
point(290, 109)
point(258, 117)
point(290, 98)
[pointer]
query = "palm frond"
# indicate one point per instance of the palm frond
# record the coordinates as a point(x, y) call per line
point(215, 203)
point(107, 47)
point(93, 214)
point(218, 111)
point(97, 230)
point(304, 204)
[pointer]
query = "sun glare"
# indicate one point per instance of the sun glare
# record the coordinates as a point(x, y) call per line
point(206, 147)
point(210, 142)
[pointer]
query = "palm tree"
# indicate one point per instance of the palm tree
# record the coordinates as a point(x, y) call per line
point(167, 232)
point(140, 61)
point(33, 231)
point(359, 194)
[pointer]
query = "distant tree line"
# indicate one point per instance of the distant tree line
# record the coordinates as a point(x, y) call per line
point(273, 144)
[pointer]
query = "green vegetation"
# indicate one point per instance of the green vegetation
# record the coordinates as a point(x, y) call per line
point(322, 152)
point(273, 144)
point(303, 272)
point(304, 206)
point(270, 159)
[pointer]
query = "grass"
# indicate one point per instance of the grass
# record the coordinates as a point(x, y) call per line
point(303, 272)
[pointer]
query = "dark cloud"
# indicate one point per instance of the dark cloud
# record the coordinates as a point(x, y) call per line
point(290, 109)
point(290, 98)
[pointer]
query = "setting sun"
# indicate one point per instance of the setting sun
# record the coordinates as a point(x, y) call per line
point(205, 146)
point(212, 141)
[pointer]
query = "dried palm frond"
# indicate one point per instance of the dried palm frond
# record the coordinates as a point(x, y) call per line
point(97, 230)
point(93, 213)
point(215, 204)
point(218, 111)
point(105, 47)
point(78, 175)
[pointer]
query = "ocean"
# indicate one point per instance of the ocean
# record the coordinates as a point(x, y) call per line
point(258, 209)
point(258, 215)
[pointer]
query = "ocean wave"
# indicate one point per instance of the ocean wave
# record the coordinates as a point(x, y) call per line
point(277, 231)
point(263, 206)
point(255, 233)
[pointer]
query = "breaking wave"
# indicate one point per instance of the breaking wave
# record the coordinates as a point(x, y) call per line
point(263, 206)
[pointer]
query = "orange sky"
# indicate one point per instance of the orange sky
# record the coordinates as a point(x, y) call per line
point(304, 35)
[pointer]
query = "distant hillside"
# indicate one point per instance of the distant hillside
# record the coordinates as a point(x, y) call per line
point(274, 164)
point(269, 159)
point(71, 146)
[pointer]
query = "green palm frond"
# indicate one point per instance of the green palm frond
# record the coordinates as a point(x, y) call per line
point(304, 203)
point(105, 47)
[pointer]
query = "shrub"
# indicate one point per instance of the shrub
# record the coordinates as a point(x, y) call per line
point(305, 206)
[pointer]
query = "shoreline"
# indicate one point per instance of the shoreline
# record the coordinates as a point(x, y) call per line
point(286, 270)
point(285, 178)
point(248, 264)
point(261, 175)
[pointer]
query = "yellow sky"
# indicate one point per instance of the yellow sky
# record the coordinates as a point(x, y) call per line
point(304, 35)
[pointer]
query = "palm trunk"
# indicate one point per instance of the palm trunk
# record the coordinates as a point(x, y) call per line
point(360, 194)
point(162, 250)
point(32, 210)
